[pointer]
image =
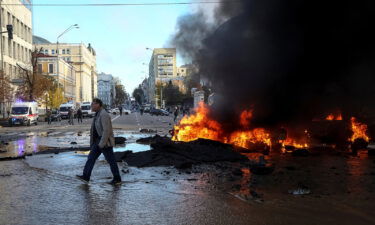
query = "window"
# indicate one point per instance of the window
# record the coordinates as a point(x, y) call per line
point(40, 68)
point(46, 51)
point(68, 51)
point(53, 51)
point(10, 48)
point(63, 51)
point(50, 68)
point(68, 59)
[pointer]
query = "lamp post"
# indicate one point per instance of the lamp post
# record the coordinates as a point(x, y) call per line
point(74, 26)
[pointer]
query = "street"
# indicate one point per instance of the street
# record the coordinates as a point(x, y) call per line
point(42, 188)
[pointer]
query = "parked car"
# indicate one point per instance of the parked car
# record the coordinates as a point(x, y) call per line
point(158, 112)
point(164, 112)
point(146, 110)
point(126, 111)
point(115, 111)
point(55, 115)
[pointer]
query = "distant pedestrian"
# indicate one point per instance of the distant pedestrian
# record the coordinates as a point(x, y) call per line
point(175, 114)
point(142, 110)
point(120, 109)
point(79, 115)
point(101, 141)
point(49, 116)
point(71, 116)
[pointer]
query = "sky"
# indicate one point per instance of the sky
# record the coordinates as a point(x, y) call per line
point(119, 34)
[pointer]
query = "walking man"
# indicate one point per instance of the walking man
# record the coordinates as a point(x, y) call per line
point(79, 115)
point(101, 141)
point(71, 116)
point(49, 115)
point(120, 108)
point(175, 114)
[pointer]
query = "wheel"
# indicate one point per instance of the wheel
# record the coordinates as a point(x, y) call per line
point(28, 123)
point(36, 123)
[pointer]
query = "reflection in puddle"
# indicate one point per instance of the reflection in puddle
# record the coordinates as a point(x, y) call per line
point(34, 143)
point(134, 147)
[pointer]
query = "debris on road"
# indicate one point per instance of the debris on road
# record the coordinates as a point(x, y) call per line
point(145, 130)
point(166, 152)
point(120, 140)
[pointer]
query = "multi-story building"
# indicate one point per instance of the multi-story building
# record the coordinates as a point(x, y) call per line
point(83, 60)
point(106, 89)
point(162, 69)
point(16, 52)
point(66, 74)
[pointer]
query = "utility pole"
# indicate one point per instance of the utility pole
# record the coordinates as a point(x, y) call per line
point(58, 53)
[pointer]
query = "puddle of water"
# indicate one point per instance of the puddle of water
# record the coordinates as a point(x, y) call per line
point(38, 142)
point(134, 147)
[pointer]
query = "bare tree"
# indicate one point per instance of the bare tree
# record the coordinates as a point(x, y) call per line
point(6, 91)
point(35, 84)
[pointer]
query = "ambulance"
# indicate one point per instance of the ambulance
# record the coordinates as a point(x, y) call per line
point(24, 113)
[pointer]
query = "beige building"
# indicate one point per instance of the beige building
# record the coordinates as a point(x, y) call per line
point(66, 75)
point(83, 59)
point(17, 51)
point(162, 68)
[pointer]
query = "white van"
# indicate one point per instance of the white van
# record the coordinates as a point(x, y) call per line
point(24, 113)
point(86, 109)
point(64, 109)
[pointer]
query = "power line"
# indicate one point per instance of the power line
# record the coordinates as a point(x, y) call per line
point(124, 4)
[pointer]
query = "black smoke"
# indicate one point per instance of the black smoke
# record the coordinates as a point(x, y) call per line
point(290, 61)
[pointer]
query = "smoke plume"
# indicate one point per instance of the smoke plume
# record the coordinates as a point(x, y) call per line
point(290, 61)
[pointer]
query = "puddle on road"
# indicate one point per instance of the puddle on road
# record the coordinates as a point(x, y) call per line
point(134, 147)
point(34, 143)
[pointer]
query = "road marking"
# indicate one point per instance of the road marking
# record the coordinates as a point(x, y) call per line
point(115, 118)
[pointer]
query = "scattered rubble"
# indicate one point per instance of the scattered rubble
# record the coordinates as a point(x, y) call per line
point(120, 140)
point(145, 130)
point(166, 152)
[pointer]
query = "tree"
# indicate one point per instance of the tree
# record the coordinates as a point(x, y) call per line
point(35, 84)
point(139, 95)
point(172, 94)
point(6, 91)
point(121, 95)
point(55, 97)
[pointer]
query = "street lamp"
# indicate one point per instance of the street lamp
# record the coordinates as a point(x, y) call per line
point(74, 26)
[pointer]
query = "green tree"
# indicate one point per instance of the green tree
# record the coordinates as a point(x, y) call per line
point(139, 95)
point(121, 95)
point(172, 95)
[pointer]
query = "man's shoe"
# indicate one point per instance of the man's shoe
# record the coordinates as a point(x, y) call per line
point(82, 178)
point(115, 182)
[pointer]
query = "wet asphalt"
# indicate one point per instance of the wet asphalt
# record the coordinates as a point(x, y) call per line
point(42, 188)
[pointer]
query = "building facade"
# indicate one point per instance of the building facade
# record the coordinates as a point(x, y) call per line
point(83, 59)
point(106, 89)
point(16, 52)
point(162, 68)
point(66, 75)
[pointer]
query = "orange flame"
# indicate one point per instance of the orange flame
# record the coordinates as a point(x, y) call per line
point(200, 125)
point(245, 118)
point(334, 117)
point(359, 130)
point(292, 142)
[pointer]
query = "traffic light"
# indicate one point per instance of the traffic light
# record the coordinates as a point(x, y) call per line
point(10, 31)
